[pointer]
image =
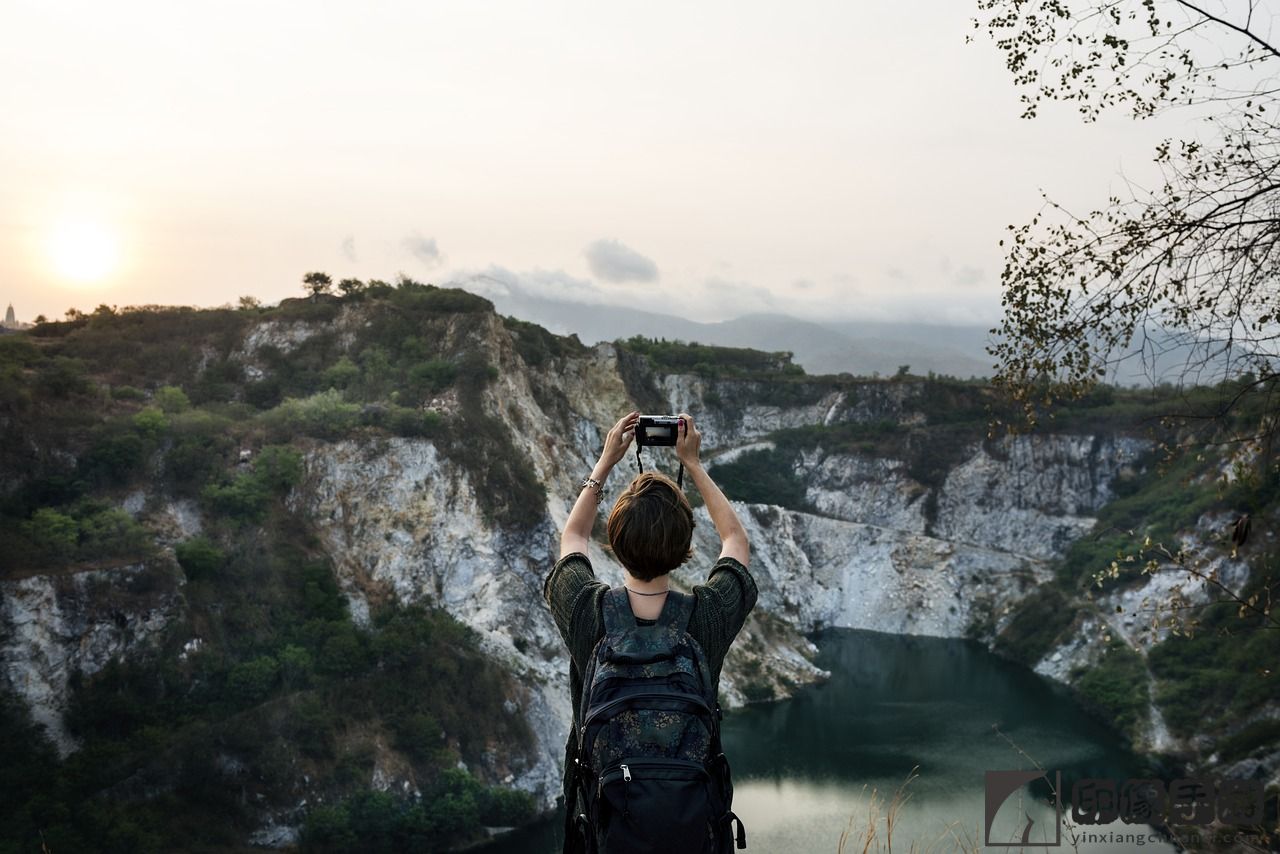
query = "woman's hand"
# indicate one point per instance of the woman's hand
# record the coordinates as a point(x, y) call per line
point(619, 439)
point(688, 441)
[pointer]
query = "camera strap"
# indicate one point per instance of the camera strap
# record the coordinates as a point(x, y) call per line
point(640, 465)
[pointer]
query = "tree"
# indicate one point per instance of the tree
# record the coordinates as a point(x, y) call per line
point(317, 283)
point(1195, 258)
point(172, 400)
point(350, 287)
point(250, 303)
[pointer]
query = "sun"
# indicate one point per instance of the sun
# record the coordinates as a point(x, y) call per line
point(83, 251)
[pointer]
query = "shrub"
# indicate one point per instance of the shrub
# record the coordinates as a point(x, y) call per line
point(432, 376)
point(404, 421)
point(1040, 619)
point(763, 477)
point(506, 807)
point(296, 666)
point(63, 376)
point(324, 415)
point(127, 392)
point(328, 828)
point(275, 471)
point(708, 360)
point(199, 557)
point(111, 532)
point(418, 735)
point(201, 444)
point(344, 653)
point(150, 423)
point(244, 498)
point(54, 533)
point(264, 394)
point(1116, 687)
point(116, 454)
point(1264, 733)
point(537, 346)
point(250, 682)
point(278, 467)
point(341, 373)
point(172, 400)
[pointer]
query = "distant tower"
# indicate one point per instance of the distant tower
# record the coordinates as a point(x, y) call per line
point(9, 320)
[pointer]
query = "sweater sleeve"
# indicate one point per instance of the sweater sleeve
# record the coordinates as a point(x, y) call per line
point(573, 593)
point(724, 602)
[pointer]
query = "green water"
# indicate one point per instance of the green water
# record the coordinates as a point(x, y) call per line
point(804, 767)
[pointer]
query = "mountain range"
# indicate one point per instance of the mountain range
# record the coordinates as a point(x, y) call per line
point(858, 347)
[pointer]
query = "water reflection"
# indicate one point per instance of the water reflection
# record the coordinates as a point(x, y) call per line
point(802, 768)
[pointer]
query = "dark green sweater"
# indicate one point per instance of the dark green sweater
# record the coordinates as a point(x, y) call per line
point(575, 597)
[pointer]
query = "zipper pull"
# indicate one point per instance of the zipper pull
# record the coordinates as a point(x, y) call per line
point(626, 773)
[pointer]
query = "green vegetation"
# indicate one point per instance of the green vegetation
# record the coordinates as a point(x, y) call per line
point(763, 477)
point(284, 680)
point(84, 531)
point(679, 357)
point(246, 496)
point(446, 815)
point(199, 557)
point(1040, 620)
point(1205, 683)
point(1208, 682)
point(1116, 687)
point(183, 746)
point(538, 347)
point(1259, 734)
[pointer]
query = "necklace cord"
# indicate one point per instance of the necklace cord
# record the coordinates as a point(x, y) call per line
point(642, 593)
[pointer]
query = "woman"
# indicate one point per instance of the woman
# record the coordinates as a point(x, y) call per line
point(650, 532)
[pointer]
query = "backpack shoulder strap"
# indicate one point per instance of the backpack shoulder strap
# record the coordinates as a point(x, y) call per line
point(673, 622)
point(618, 617)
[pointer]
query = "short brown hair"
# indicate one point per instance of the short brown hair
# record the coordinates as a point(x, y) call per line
point(651, 526)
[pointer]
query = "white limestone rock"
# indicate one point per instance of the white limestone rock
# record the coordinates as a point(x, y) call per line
point(52, 626)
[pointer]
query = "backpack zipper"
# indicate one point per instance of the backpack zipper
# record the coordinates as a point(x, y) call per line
point(641, 763)
point(668, 695)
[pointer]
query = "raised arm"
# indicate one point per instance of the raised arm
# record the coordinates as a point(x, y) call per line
point(577, 529)
point(733, 537)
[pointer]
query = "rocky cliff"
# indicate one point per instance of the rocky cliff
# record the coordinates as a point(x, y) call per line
point(875, 545)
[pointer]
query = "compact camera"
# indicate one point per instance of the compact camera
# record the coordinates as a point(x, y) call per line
point(657, 430)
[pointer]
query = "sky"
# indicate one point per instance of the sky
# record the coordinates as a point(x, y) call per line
point(828, 160)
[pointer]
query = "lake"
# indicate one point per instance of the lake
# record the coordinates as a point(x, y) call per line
point(803, 768)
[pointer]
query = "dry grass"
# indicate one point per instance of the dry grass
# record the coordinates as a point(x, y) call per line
point(874, 833)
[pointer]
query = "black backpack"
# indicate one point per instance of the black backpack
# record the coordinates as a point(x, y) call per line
point(650, 772)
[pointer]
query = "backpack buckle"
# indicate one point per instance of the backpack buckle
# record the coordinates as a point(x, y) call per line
point(740, 838)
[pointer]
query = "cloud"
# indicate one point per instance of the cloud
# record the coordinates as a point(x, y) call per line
point(802, 284)
point(349, 248)
point(497, 282)
point(613, 262)
point(423, 248)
